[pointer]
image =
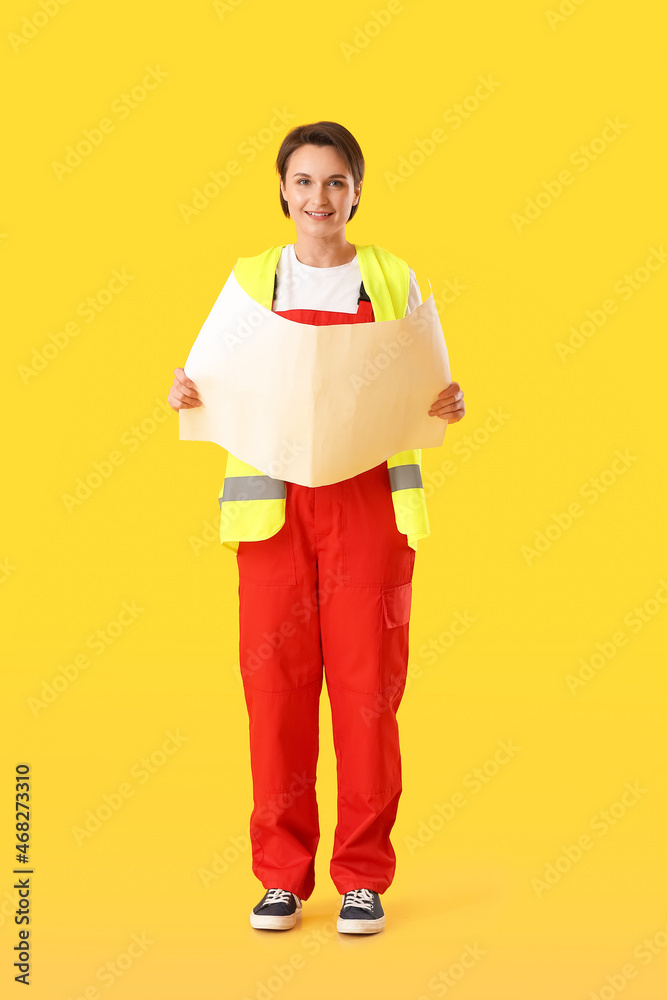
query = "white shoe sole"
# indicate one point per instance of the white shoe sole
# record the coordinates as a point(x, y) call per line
point(346, 926)
point(274, 923)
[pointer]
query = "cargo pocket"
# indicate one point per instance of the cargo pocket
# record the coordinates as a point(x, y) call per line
point(393, 665)
point(396, 603)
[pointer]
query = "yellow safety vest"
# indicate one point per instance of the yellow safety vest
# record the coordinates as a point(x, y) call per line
point(252, 504)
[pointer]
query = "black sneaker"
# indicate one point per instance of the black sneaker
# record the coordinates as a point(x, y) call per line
point(277, 910)
point(361, 912)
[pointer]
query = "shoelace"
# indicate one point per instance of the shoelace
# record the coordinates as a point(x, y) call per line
point(277, 896)
point(362, 898)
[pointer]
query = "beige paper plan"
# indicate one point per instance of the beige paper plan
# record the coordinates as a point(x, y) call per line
point(314, 405)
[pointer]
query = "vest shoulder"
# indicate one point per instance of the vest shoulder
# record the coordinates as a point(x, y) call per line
point(384, 255)
point(259, 257)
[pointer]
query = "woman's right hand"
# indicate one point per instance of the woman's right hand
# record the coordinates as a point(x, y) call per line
point(183, 394)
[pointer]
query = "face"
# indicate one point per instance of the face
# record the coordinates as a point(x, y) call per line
point(319, 190)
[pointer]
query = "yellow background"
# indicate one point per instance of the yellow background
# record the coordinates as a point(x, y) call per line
point(146, 533)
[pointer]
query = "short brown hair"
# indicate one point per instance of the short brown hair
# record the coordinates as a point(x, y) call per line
point(322, 134)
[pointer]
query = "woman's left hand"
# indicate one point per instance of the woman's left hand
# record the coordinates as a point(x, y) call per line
point(449, 404)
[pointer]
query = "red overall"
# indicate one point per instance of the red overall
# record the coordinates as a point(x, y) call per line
point(331, 589)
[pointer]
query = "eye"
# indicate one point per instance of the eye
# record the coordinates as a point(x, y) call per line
point(304, 180)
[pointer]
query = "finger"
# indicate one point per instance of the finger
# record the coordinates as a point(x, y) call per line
point(178, 404)
point(183, 378)
point(184, 382)
point(450, 395)
point(186, 389)
point(188, 394)
point(441, 407)
point(450, 389)
point(451, 415)
point(183, 397)
point(187, 398)
point(456, 400)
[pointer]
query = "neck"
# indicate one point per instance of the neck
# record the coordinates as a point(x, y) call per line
point(324, 251)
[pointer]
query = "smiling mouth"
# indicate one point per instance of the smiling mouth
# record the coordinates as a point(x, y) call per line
point(319, 215)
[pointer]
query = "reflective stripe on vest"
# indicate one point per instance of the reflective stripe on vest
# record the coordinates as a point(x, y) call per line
point(252, 504)
point(259, 487)
point(402, 477)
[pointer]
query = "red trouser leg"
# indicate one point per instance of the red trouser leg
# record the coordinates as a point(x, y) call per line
point(281, 668)
point(333, 587)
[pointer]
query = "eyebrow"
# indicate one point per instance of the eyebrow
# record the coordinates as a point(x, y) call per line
point(300, 173)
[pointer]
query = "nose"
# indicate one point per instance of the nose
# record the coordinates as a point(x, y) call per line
point(319, 197)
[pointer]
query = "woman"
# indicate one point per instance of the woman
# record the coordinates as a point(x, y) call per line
point(325, 572)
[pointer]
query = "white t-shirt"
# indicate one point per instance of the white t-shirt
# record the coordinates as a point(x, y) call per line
point(301, 286)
